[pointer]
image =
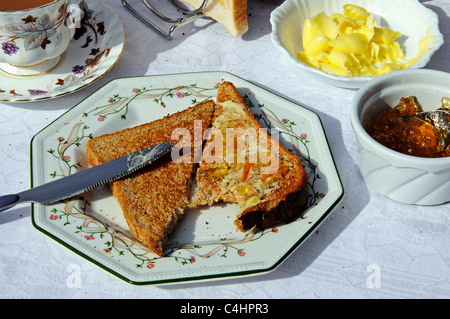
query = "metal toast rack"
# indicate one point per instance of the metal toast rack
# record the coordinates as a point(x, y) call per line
point(187, 15)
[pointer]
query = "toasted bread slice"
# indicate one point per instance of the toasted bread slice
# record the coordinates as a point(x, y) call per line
point(269, 189)
point(154, 198)
point(230, 13)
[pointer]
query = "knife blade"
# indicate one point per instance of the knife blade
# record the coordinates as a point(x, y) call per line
point(87, 179)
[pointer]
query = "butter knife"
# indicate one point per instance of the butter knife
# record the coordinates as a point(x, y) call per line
point(87, 179)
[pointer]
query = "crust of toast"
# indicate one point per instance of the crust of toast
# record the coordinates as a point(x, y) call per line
point(230, 13)
point(164, 187)
point(284, 202)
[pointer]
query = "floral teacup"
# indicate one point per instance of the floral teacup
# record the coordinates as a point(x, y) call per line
point(33, 40)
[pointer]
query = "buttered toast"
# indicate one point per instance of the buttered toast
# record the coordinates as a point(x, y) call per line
point(269, 188)
point(239, 163)
point(154, 198)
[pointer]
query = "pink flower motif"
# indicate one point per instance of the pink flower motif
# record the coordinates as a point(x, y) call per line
point(107, 250)
point(217, 84)
point(303, 135)
point(67, 158)
point(275, 230)
point(89, 237)
point(283, 120)
point(192, 259)
point(53, 217)
point(60, 138)
point(241, 253)
point(150, 266)
point(321, 195)
point(180, 95)
point(110, 101)
point(135, 90)
point(101, 119)
point(163, 105)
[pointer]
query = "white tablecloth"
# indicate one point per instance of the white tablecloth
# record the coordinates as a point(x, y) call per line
point(370, 246)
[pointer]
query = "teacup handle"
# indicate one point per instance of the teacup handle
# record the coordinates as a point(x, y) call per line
point(74, 16)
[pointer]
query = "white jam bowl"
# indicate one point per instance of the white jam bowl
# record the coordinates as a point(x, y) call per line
point(404, 178)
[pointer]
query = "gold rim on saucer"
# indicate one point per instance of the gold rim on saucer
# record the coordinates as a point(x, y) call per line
point(30, 70)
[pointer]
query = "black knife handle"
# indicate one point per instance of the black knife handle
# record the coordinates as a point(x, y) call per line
point(8, 201)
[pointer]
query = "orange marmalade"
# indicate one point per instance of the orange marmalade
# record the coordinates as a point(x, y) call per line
point(405, 129)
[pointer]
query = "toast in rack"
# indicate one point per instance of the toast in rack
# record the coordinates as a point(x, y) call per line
point(230, 13)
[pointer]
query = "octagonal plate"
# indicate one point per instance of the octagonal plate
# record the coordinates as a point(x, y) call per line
point(93, 225)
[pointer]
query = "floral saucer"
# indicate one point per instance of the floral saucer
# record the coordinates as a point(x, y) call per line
point(97, 45)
